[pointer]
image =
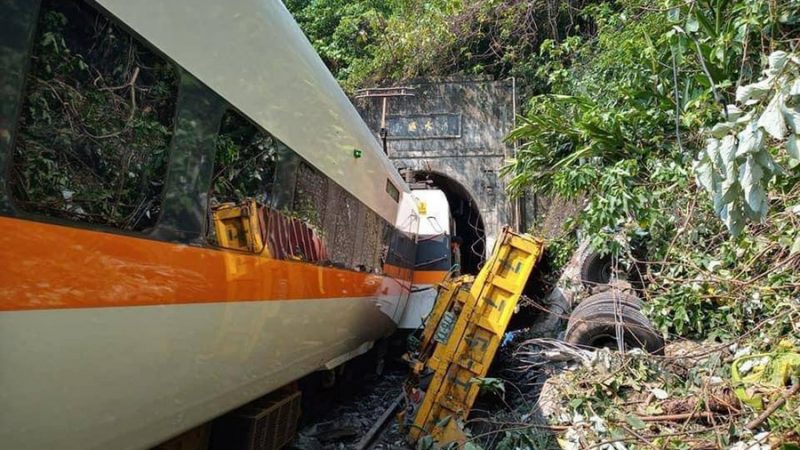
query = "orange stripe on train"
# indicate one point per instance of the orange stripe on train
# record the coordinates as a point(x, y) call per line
point(429, 276)
point(49, 266)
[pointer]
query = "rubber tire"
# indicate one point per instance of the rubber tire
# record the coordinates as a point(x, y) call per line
point(593, 325)
point(596, 269)
point(610, 296)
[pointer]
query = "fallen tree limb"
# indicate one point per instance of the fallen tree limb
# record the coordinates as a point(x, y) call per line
point(678, 417)
point(753, 424)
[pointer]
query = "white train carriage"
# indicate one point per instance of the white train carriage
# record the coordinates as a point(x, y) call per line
point(126, 129)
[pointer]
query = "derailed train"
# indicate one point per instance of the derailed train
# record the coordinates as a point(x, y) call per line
point(126, 127)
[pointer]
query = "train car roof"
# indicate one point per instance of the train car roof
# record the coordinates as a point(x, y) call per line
point(254, 55)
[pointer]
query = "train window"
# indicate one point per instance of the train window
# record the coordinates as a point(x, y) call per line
point(350, 232)
point(242, 183)
point(359, 260)
point(347, 231)
point(371, 252)
point(391, 189)
point(96, 122)
point(388, 261)
point(335, 219)
point(288, 166)
point(266, 199)
point(17, 24)
point(310, 197)
point(191, 162)
point(245, 163)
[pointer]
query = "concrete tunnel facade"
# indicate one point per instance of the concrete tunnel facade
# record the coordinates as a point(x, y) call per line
point(451, 132)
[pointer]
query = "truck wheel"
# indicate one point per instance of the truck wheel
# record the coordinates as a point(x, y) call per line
point(594, 324)
point(611, 295)
point(596, 269)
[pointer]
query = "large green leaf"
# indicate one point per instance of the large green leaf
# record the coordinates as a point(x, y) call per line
point(750, 176)
point(750, 139)
point(772, 120)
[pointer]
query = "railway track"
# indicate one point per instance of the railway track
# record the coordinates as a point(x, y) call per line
point(373, 436)
point(357, 414)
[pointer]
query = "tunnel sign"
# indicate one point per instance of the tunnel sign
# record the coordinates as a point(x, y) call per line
point(424, 126)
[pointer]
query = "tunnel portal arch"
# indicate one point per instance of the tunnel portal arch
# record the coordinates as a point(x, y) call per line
point(452, 130)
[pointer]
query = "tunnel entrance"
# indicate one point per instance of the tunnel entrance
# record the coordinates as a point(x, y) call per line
point(467, 222)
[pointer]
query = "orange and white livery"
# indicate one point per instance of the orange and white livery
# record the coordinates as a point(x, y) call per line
point(120, 337)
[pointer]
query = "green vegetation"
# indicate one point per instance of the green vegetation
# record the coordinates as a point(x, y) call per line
point(367, 42)
point(676, 122)
point(658, 115)
point(245, 160)
point(344, 33)
point(96, 123)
